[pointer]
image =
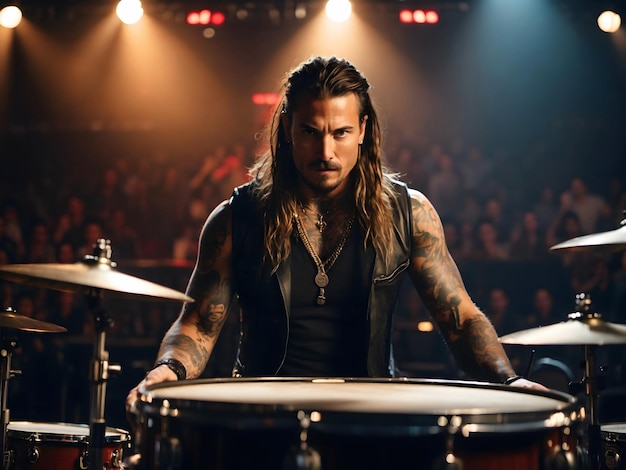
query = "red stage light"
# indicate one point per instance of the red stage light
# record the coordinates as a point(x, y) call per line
point(205, 17)
point(406, 16)
point(418, 16)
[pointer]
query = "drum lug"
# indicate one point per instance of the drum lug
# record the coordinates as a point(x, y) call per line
point(33, 454)
point(612, 459)
point(116, 458)
point(83, 460)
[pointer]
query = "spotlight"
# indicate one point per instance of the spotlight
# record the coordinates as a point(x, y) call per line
point(338, 10)
point(609, 21)
point(10, 17)
point(129, 11)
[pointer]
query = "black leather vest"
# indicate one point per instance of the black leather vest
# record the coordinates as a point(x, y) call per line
point(264, 297)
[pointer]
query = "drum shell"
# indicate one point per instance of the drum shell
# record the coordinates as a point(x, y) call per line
point(61, 446)
point(183, 433)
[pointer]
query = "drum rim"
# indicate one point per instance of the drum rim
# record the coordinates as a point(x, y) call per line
point(242, 414)
point(118, 435)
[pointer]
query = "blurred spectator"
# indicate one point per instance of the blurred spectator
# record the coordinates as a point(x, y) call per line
point(487, 246)
point(444, 187)
point(546, 208)
point(122, 235)
point(39, 248)
point(502, 221)
point(92, 232)
point(474, 170)
point(8, 245)
point(528, 241)
point(592, 210)
point(543, 310)
point(505, 321)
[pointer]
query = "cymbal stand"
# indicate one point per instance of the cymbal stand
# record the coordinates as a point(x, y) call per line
point(7, 347)
point(589, 384)
point(100, 371)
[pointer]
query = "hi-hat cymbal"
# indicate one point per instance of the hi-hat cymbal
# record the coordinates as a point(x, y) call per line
point(10, 319)
point(613, 240)
point(84, 277)
point(581, 331)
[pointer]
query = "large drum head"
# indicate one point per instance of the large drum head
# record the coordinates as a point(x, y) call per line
point(353, 423)
point(352, 402)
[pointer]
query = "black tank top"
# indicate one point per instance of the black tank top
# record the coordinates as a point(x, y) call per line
point(328, 340)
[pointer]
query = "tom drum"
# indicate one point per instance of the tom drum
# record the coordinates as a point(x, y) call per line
point(56, 446)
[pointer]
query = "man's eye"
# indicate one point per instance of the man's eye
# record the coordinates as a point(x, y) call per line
point(341, 133)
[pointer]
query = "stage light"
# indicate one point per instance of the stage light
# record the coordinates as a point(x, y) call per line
point(418, 16)
point(206, 17)
point(264, 99)
point(10, 17)
point(609, 21)
point(129, 11)
point(338, 10)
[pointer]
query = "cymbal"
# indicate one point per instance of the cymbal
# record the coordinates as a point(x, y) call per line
point(581, 331)
point(613, 240)
point(10, 319)
point(84, 277)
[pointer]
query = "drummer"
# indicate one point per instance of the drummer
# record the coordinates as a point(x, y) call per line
point(314, 249)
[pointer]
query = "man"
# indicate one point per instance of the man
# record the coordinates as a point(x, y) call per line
point(314, 249)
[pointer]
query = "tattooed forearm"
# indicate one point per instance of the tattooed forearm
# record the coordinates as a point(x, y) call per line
point(479, 353)
point(188, 351)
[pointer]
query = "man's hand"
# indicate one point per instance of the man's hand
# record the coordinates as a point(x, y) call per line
point(529, 385)
point(155, 376)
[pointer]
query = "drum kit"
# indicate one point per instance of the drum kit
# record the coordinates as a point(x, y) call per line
point(65, 445)
point(304, 423)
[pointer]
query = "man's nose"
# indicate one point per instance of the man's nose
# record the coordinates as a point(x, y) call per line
point(327, 150)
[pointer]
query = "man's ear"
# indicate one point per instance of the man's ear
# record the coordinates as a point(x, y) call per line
point(362, 128)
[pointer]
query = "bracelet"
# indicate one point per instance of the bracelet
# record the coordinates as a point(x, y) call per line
point(175, 366)
point(510, 380)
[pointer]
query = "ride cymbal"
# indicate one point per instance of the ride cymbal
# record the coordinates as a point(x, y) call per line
point(85, 277)
point(574, 331)
point(613, 240)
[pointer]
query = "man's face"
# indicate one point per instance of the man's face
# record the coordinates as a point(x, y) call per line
point(325, 136)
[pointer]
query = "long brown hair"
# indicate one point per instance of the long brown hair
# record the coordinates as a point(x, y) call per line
point(275, 179)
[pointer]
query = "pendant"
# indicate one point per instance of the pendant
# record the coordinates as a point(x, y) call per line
point(321, 223)
point(321, 298)
point(321, 279)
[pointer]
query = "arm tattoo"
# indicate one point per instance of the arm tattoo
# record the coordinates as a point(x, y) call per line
point(471, 338)
point(436, 277)
point(211, 288)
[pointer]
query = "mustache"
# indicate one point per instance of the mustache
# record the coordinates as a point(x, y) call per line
point(324, 165)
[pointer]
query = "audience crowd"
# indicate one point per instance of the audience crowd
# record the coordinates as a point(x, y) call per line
point(152, 208)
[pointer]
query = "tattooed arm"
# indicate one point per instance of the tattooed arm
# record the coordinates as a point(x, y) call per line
point(468, 332)
point(192, 336)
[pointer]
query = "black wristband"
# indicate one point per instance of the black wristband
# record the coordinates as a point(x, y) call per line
point(510, 380)
point(175, 366)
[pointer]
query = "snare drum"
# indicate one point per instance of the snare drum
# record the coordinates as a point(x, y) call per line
point(613, 438)
point(52, 446)
point(275, 423)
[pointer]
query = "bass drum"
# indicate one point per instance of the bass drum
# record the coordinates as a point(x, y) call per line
point(274, 423)
point(60, 446)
